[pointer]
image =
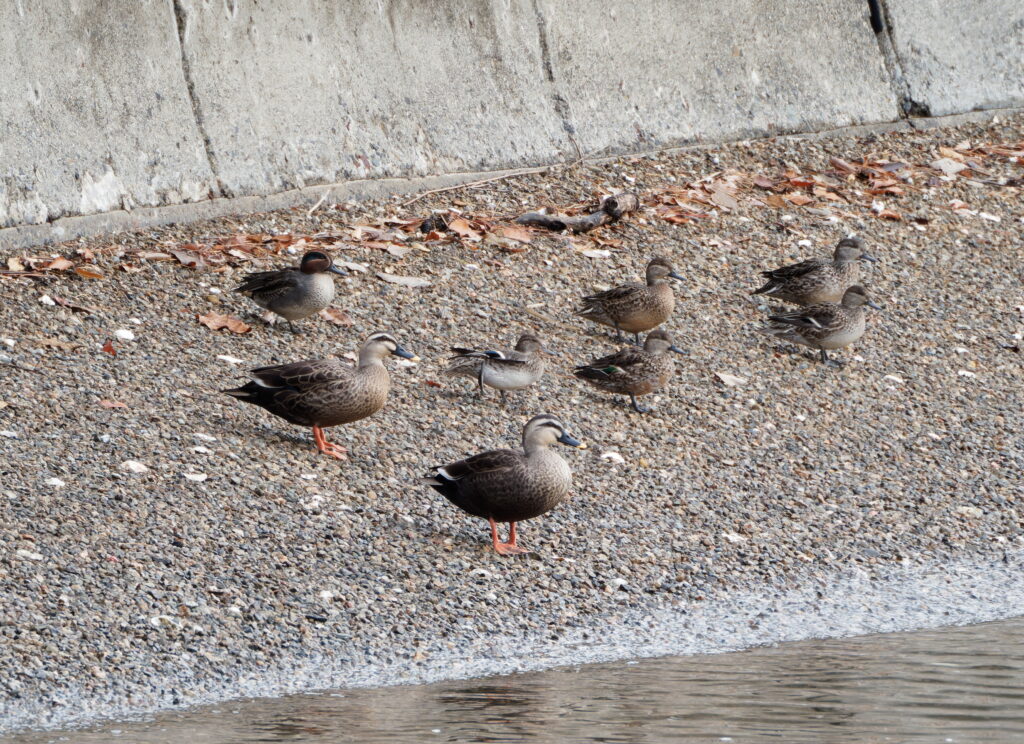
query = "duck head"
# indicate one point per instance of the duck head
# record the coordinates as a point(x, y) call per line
point(317, 262)
point(659, 268)
point(545, 430)
point(852, 249)
point(380, 345)
point(856, 296)
point(660, 341)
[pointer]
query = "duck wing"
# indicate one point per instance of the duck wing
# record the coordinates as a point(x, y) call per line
point(812, 318)
point(269, 283)
point(467, 483)
point(615, 294)
point(609, 366)
point(794, 270)
point(303, 374)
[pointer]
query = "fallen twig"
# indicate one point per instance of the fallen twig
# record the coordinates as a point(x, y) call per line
point(611, 210)
point(481, 182)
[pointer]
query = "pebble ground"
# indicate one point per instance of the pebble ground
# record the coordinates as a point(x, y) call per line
point(239, 547)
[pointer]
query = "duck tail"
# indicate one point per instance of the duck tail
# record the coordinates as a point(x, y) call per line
point(250, 392)
point(591, 373)
point(770, 286)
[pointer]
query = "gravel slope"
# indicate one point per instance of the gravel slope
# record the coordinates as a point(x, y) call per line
point(150, 589)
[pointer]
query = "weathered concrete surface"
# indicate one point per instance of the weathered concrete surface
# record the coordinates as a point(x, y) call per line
point(666, 71)
point(959, 55)
point(94, 112)
point(308, 92)
point(135, 108)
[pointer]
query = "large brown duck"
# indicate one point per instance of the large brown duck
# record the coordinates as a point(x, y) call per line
point(510, 485)
point(325, 392)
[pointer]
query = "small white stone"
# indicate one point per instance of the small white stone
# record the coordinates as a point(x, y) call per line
point(55, 482)
point(204, 437)
point(9, 434)
point(308, 476)
point(124, 334)
point(229, 359)
point(134, 466)
point(733, 537)
point(196, 477)
point(135, 321)
point(613, 457)
point(327, 595)
point(804, 243)
point(47, 300)
point(28, 555)
point(203, 450)
point(9, 343)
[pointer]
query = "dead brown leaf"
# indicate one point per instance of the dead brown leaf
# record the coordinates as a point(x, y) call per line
point(461, 227)
point(57, 264)
point(405, 281)
point(514, 232)
point(888, 214)
point(337, 316)
point(798, 200)
point(216, 321)
point(113, 404)
point(88, 272)
point(189, 259)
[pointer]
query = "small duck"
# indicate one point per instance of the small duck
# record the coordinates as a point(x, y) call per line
point(502, 370)
point(634, 307)
point(828, 325)
point(508, 485)
point(818, 280)
point(325, 392)
point(295, 292)
point(633, 371)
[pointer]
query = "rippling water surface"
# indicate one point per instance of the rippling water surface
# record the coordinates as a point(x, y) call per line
point(950, 685)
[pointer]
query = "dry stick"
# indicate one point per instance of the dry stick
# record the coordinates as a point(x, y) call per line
point(316, 206)
point(481, 182)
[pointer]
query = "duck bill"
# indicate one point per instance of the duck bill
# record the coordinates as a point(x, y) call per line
point(676, 275)
point(405, 354)
point(676, 349)
point(875, 305)
point(868, 257)
point(571, 441)
point(335, 270)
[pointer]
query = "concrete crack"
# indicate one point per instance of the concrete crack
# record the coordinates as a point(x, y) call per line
point(881, 24)
point(181, 21)
point(560, 103)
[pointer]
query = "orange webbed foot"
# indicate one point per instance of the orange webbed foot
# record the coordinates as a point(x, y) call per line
point(509, 549)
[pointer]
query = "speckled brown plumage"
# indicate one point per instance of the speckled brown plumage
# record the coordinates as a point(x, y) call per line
point(825, 326)
point(633, 371)
point(635, 307)
point(817, 280)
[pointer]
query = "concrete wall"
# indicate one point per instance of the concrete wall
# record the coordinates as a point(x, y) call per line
point(125, 105)
point(953, 56)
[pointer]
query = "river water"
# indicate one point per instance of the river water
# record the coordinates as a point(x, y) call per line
point(949, 685)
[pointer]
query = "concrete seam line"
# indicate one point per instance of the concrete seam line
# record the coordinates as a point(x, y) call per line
point(181, 24)
point(881, 24)
point(561, 103)
point(78, 226)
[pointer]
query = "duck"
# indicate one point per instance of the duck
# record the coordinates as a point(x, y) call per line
point(506, 485)
point(818, 280)
point(295, 292)
point(635, 307)
point(503, 370)
point(325, 392)
point(825, 326)
point(633, 371)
